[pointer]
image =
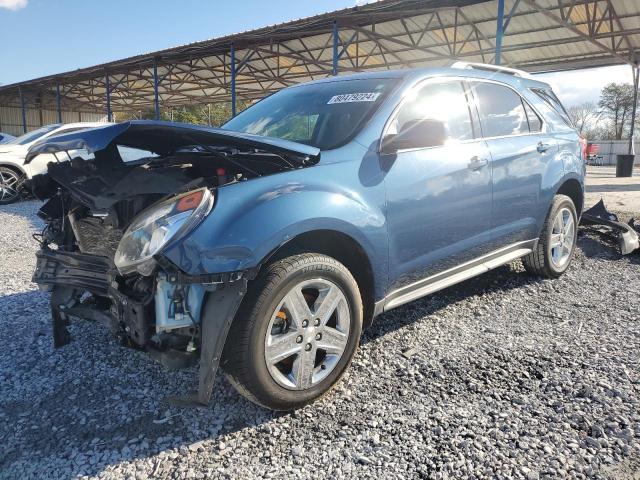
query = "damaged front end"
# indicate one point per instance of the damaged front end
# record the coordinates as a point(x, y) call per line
point(108, 222)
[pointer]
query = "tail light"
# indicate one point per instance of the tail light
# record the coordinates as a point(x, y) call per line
point(583, 148)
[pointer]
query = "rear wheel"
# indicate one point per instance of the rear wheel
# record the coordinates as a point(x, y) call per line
point(556, 244)
point(10, 185)
point(295, 333)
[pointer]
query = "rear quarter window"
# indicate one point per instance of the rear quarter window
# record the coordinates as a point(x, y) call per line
point(553, 110)
point(535, 123)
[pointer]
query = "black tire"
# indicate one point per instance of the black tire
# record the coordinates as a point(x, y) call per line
point(243, 358)
point(12, 179)
point(540, 262)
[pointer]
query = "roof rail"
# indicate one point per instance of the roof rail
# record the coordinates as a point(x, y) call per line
point(492, 68)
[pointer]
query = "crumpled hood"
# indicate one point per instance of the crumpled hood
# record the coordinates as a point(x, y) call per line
point(164, 138)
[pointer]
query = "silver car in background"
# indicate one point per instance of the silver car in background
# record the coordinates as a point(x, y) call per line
point(13, 171)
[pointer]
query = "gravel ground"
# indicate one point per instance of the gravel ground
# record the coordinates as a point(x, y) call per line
point(506, 376)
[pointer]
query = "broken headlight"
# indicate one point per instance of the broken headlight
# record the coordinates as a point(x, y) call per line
point(153, 228)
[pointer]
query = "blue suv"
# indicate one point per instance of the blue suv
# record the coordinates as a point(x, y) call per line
point(265, 246)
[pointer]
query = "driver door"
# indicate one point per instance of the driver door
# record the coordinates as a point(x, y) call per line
point(439, 192)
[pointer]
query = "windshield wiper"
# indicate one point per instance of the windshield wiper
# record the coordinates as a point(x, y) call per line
point(229, 156)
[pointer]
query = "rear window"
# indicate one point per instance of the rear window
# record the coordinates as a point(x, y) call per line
point(552, 101)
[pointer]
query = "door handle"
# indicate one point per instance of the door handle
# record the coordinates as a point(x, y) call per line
point(543, 147)
point(476, 163)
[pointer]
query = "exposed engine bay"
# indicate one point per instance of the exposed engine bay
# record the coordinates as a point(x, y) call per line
point(90, 205)
point(107, 221)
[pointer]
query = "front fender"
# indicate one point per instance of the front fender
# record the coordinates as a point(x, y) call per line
point(251, 219)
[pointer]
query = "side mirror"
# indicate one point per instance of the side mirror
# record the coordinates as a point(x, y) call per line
point(415, 134)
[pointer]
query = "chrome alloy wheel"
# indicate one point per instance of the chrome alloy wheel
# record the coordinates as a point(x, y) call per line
point(562, 237)
point(9, 185)
point(307, 334)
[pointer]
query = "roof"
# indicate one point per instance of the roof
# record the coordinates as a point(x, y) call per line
point(539, 35)
point(415, 74)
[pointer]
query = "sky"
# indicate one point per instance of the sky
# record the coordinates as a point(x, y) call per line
point(43, 37)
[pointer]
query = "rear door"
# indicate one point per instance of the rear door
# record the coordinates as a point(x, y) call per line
point(520, 151)
point(438, 197)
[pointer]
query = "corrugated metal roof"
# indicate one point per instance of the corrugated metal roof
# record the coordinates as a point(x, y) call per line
point(542, 35)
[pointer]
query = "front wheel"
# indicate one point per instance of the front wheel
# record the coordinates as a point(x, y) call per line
point(295, 333)
point(557, 242)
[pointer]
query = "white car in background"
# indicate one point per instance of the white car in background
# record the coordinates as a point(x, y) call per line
point(5, 137)
point(13, 171)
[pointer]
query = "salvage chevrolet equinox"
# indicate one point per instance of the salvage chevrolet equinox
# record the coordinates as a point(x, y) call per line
point(265, 246)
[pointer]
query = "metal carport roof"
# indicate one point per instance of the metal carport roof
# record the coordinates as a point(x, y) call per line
point(535, 35)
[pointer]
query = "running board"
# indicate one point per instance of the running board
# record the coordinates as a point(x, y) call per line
point(457, 274)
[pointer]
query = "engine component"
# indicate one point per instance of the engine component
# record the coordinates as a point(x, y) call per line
point(177, 306)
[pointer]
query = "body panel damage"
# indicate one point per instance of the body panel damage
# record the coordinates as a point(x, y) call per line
point(90, 203)
point(598, 217)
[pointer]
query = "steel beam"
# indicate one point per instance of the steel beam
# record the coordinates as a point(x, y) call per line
point(499, 31)
point(636, 78)
point(336, 41)
point(156, 98)
point(586, 36)
point(510, 16)
point(58, 105)
point(24, 112)
point(348, 43)
point(108, 92)
point(232, 67)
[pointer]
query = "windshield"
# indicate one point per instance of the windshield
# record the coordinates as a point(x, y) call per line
point(323, 115)
point(32, 136)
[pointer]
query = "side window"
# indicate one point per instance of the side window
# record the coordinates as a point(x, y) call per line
point(501, 110)
point(535, 123)
point(445, 104)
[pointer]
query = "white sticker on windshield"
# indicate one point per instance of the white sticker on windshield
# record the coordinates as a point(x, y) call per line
point(354, 97)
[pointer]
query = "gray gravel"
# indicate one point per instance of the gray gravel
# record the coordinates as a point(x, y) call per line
point(503, 376)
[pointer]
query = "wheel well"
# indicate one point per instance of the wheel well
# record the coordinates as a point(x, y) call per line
point(15, 168)
point(344, 249)
point(572, 189)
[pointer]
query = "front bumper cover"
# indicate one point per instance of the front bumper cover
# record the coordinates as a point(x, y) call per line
point(598, 215)
point(66, 273)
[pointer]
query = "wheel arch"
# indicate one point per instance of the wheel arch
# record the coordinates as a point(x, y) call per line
point(12, 166)
point(341, 247)
point(572, 188)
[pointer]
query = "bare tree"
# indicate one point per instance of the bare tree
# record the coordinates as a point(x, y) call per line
point(584, 116)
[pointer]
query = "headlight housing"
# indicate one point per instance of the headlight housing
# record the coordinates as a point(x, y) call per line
point(152, 229)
